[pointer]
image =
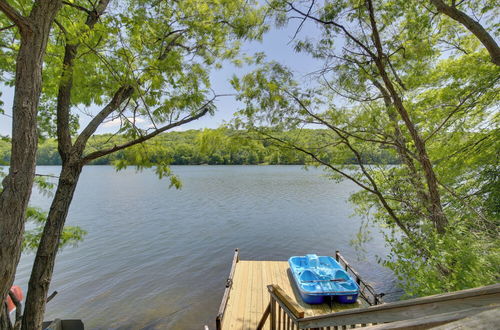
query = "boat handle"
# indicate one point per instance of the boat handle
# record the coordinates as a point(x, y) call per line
point(332, 280)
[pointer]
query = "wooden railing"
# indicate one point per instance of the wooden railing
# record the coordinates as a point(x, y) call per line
point(229, 283)
point(366, 291)
point(282, 310)
point(284, 313)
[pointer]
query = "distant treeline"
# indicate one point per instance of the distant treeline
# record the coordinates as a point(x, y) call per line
point(208, 146)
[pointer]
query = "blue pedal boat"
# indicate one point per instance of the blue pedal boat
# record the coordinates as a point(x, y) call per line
point(318, 277)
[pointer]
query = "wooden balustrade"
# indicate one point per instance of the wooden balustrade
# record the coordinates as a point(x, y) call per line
point(366, 291)
point(284, 313)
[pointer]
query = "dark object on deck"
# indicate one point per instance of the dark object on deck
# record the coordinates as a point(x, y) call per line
point(58, 324)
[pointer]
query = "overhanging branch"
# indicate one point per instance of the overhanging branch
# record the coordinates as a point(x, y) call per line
point(473, 26)
point(94, 155)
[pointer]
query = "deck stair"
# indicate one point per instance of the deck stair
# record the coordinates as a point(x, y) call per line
point(260, 295)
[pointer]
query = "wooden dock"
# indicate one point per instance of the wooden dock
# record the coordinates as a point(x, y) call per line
point(262, 295)
point(247, 296)
point(250, 297)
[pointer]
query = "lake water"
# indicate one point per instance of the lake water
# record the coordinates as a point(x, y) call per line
point(158, 258)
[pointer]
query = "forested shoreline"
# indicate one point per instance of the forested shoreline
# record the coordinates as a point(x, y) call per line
point(202, 147)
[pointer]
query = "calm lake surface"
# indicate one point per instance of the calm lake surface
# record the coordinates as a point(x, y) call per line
point(158, 258)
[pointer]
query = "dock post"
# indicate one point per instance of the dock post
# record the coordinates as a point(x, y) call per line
point(272, 319)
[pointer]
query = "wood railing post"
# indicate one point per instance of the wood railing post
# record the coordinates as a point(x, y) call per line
point(272, 319)
point(366, 291)
point(218, 322)
point(263, 319)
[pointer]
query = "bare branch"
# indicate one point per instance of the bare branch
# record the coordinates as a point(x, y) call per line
point(47, 175)
point(340, 26)
point(302, 22)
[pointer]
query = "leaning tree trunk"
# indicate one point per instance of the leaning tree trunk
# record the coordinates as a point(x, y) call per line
point(473, 26)
point(17, 185)
point(43, 267)
point(400, 147)
point(436, 209)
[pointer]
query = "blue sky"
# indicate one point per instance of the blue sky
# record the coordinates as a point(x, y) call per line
point(275, 44)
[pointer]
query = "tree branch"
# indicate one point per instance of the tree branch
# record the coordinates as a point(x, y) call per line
point(77, 7)
point(204, 110)
point(332, 127)
point(473, 26)
point(16, 17)
point(66, 83)
point(7, 27)
point(374, 185)
point(437, 215)
point(120, 96)
point(340, 26)
point(464, 202)
point(303, 20)
point(374, 190)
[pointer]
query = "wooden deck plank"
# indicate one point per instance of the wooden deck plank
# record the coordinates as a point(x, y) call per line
point(250, 293)
point(261, 288)
point(256, 295)
point(265, 297)
point(244, 297)
point(241, 275)
point(233, 299)
point(249, 296)
point(251, 309)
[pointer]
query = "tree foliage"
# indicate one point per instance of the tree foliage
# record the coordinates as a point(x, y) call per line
point(399, 79)
point(136, 61)
point(36, 218)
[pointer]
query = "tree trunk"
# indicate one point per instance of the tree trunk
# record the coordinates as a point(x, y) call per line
point(18, 183)
point(437, 215)
point(4, 318)
point(400, 143)
point(473, 26)
point(43, 267)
